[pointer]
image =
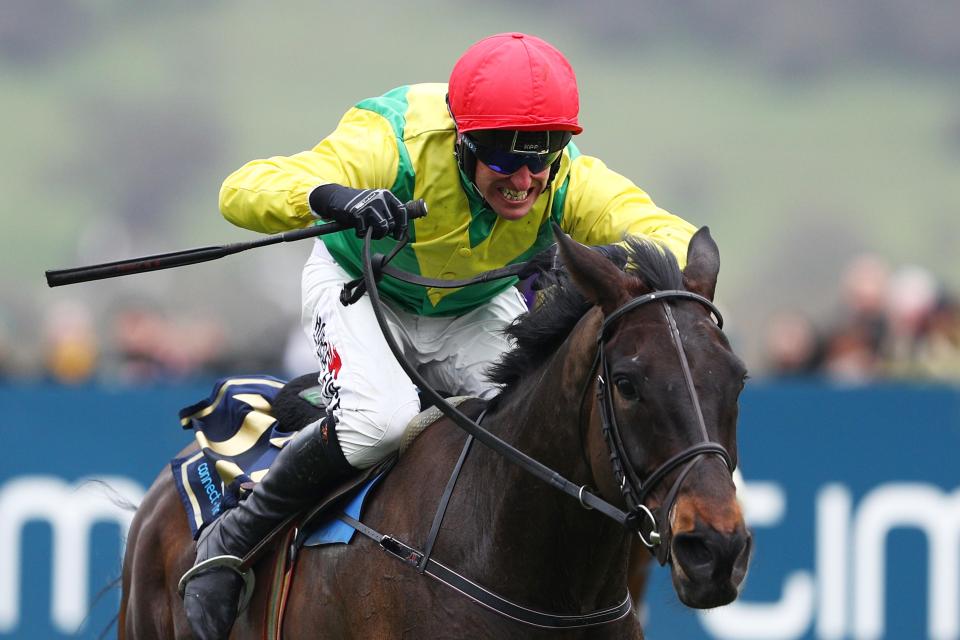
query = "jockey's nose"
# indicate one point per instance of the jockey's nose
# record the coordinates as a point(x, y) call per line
point(521, 179)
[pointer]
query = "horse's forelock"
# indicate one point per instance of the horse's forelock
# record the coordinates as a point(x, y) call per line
point(653, 263)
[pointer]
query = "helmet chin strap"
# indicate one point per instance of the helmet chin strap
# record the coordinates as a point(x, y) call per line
point(554, 169)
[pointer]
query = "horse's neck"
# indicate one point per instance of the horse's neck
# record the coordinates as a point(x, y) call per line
point(542, 417)
point(537, 534)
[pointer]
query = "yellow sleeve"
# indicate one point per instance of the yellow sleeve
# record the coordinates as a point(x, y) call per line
point(602, 205)
point(271, 195)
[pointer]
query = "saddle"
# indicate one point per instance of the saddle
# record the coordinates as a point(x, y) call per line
point(241, 427)
point(265, 413)
point(298, 404)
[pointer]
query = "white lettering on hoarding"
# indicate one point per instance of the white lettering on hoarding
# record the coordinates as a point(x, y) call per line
point(71, 510)
point(928, 509)
point(846, 538)
point(832, 561)
point(842, 597)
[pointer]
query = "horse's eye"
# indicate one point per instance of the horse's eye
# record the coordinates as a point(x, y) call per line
point(626, 389)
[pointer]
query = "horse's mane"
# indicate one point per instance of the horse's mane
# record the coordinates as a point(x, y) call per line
point(539, 333)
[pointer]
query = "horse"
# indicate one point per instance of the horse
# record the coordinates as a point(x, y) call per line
point(672, 386)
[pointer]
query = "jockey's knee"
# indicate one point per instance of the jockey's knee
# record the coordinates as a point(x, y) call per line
point(474, 380)
point(369, 434)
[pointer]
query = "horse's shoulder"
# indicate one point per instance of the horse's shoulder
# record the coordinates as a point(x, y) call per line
point(159, 549)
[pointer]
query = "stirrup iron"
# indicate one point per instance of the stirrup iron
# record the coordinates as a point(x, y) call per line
point(230, 562)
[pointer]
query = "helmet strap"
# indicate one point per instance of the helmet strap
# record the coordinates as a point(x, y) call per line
point(554, 168)
point(465, 158)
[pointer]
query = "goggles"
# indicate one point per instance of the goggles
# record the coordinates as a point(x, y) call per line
point(508, 154)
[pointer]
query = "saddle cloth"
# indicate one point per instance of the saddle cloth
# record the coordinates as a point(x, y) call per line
point(239, 438)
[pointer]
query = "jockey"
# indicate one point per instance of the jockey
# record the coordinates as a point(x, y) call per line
point(491, 154)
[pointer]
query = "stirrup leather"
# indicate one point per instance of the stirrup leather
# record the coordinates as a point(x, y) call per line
point(233, 563)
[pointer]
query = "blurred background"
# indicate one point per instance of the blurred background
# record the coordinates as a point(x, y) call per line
point(819, 141)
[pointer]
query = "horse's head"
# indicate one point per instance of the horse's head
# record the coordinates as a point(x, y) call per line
point(664, 389)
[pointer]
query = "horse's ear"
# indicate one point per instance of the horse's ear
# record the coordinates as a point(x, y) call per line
point(596, 277)
point(703, 264)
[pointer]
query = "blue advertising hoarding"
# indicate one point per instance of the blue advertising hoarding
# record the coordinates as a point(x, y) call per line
point(852, 495)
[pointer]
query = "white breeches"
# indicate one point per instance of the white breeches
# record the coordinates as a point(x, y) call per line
point(370, 396)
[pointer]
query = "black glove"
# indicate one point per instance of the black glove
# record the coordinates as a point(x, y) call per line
point(549, 260)
point(377, 209)
point(544, 262)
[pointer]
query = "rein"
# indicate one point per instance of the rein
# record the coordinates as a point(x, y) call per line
point(425, 564)
point(353, 290)
point(634, 490)
point(511, 453)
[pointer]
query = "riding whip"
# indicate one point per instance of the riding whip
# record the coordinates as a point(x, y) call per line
point(60, 277)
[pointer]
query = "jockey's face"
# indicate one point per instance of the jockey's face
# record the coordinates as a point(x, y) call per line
point(510, 196)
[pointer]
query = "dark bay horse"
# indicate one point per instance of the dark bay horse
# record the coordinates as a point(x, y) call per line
point(673, 390)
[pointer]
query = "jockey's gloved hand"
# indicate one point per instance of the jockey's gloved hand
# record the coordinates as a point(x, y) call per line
point(377, 209)
point(549, 259)
point(544, 262)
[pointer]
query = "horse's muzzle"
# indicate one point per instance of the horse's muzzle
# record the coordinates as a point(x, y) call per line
point(709, 566)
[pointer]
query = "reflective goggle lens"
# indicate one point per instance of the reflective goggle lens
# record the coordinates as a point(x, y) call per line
point(506, 162)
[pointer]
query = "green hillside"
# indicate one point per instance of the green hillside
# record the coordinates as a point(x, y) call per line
point(121, 120)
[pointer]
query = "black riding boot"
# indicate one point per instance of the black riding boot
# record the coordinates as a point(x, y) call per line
point(308, 465)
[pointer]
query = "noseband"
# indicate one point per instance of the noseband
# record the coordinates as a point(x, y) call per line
point(653, 529)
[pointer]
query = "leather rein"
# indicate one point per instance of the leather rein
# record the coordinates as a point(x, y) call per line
point(637, 518)
point(353, 290)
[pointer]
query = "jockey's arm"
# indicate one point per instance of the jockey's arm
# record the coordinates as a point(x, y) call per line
point(271, 195)
point(602, 205)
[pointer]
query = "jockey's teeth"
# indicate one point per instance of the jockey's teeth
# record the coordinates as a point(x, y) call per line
point(515, 196)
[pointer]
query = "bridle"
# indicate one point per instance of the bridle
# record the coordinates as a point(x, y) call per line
point(653, 529)
point(635, 491)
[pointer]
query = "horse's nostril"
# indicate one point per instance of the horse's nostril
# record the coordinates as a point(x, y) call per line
point(693, 553)
point(708, 555)
point(709, 566)
point(743, 559)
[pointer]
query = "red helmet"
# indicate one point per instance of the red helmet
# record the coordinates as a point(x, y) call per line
point(514, 81)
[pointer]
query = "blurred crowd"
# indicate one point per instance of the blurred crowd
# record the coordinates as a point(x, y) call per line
point(890, 323)
point(142, 343)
